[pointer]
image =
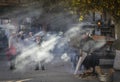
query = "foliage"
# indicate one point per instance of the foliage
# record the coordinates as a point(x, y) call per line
point(84, 6)
point(81, 6)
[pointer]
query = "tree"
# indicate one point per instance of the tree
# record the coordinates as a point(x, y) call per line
point(111, 6)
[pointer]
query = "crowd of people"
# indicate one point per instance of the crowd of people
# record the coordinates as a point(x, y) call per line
point(17, 41)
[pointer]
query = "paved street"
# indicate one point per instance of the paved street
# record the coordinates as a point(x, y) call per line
point(58, 73)
point(55, 73)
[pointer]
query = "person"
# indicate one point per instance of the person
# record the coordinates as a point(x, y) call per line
point(30, 34)
point(29, 39)
point(73, 52)
point(92, 59)
point(89, 61)
point(38, 40)
point(12, 52)
point(21, 35)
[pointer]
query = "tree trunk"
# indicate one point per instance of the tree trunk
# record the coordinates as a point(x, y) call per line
point(117, 27)
point(117, 32)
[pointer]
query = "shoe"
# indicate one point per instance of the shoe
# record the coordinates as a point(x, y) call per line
point(12, 67)
point(37, 68)
point(42, 67)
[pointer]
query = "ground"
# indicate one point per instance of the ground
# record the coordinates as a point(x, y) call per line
point(54, 73)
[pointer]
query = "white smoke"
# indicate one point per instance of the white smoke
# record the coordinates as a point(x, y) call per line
point(53, 47)
point(35, 53)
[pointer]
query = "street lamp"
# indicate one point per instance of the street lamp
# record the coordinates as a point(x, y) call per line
point(99, 23)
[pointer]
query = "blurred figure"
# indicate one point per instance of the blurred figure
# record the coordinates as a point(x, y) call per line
point(90, 62)
point(21, 42)
point(12, 52)
point(30, 39)
point(73, 52)
point(30, 34)
point(38, 40)
point(21, 35)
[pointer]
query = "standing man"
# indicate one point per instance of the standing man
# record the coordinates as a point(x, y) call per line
point(12, 49)
point(38, 40)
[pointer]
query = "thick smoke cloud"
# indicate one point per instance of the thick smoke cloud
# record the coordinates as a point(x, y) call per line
point(55, 46)
point(53, 49)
